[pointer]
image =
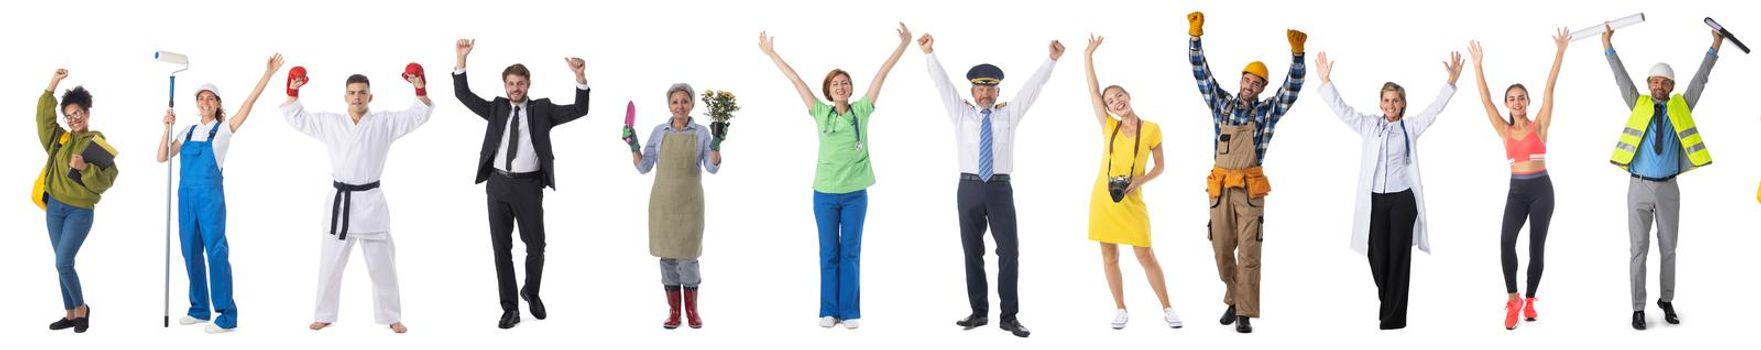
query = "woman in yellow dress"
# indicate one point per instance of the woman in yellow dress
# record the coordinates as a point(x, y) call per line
point(1116, 212)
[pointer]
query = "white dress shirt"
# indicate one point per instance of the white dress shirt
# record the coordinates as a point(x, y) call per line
point(1004, 118)
point(526, 159)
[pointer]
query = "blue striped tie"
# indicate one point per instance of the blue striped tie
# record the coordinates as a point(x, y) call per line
point(984, 147)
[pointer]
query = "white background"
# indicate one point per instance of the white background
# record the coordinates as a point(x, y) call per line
point(761, 285)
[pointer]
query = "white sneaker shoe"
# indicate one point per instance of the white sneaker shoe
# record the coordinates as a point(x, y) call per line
point(1120, 319)
point(215, 329)
point(852, 324)
point(1173, 319)
point(827, 322)
point(186, 320)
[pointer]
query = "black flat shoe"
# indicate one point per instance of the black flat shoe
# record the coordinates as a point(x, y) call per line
point(1228, 316)
point(1639, 320)
point(535, 305)
point(1014, 327)
point(60, 324)
point(973, 321)
point(509, 319)
point(1668, 312)
point(80, 324)
point(1243, 326)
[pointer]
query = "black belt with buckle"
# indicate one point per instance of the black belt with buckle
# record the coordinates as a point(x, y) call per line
point(1652, 179)
point(974, 177)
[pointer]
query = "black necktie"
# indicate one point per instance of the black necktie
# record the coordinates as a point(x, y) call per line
point(513, 138)
point(1657, 127)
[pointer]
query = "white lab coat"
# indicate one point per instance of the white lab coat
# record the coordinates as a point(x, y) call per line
point(1366, 126)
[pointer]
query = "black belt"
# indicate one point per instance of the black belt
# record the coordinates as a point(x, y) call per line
point(1652, 179)
point(514, 175)
point(974, 177)
point(341, 204)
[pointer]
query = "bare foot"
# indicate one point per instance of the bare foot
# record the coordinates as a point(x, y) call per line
point(399, 328)
point(318, 325)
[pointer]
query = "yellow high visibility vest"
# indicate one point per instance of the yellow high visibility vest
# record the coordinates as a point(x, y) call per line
point(1679, 117)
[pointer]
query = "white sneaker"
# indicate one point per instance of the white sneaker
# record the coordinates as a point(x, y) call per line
point(827, 322)
point(852, 324)
point(215, 329)
point(1120, 319)
point(1173, 319)
point(186, 320)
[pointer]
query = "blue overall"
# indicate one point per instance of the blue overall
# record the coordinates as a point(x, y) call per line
point(201, 217)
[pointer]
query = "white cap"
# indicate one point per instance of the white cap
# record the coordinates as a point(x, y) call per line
point(1662, 70)
point(209, 88)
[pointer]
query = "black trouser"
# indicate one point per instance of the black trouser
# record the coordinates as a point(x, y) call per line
point(1531, 197)
point(1391, 225)
point(516, 197)
point(993, 202)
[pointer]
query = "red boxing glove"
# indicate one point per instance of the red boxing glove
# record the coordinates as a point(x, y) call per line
point(298, 73)
point(414, 70)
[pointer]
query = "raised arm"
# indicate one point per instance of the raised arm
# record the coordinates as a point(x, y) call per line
point(1213, 95)
point(461, 82)
point(1094, 85)
point(767, 45)
point(1358, 122)
point(1629, 93)
point(1036, 83)
point(1492, 117)
point(1286, 95)
point(1544, 120)
point(880, 77)
point(1698, 85)
point(244, 111)
point(1425, 118)
point(944, 87)
point(568, 113)
point(47, 129)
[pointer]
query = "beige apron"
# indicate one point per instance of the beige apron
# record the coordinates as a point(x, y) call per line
point(675, 206)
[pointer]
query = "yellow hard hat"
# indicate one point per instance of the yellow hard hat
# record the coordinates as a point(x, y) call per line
point(1256, 68)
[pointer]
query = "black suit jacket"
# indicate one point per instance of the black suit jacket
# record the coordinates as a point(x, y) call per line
point(541, 113)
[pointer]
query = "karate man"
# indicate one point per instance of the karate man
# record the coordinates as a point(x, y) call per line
point(357, 143)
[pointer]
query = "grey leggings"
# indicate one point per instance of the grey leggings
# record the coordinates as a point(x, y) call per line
point(680, 272)
point(1531, 198)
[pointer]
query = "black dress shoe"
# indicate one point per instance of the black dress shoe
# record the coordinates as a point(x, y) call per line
point(1243, 326)
point(1668, 311)
point(1639, 320)
point(60, 324)
point(509, 319)
point(1228, 316)
point(973, 321)
point(535, 305)
point(1014, 327)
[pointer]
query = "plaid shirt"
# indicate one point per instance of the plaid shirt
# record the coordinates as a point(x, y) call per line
point(1225, 108)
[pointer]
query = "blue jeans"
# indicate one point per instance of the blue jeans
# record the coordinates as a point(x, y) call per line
point(68, 226)
point(840, 219)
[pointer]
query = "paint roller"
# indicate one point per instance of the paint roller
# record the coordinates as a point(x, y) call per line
point(182, 63)
point(1596, 30)
point(1726, 34)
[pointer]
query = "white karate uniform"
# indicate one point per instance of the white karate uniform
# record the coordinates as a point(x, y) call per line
point(357, 156)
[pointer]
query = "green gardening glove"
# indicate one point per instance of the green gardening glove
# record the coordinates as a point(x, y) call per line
point(718, 131)
point(630, 138)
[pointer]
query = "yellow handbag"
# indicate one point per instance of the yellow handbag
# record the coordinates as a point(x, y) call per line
point(37, 189)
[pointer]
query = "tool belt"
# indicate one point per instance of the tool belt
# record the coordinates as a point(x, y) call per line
point(1253, 179)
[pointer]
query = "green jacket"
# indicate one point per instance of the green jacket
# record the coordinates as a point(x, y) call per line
point(56, 183)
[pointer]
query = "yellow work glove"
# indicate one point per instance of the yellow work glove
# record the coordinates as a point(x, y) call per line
point(1197, 20)
point(1297, 37)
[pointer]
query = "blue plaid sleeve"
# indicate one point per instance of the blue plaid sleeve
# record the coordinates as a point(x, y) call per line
point(1214, 96)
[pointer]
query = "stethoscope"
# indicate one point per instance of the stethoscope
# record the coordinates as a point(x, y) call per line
point(855, 125)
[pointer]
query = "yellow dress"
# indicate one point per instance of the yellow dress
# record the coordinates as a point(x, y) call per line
point(1128, 221)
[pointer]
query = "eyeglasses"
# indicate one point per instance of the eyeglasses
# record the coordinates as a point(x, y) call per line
point(79, 115)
